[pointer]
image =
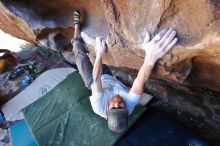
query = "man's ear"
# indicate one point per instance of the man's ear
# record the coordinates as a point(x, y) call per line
point(147, 37)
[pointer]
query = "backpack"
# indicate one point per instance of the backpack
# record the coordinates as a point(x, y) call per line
point(8, 60)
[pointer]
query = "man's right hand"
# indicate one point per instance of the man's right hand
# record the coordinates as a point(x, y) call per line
point(100, 46)
point(159, 45)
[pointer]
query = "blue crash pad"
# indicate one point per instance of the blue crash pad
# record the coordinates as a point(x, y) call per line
point(20, 135)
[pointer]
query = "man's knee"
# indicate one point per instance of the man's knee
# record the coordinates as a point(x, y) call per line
point(77, 42)
point(79, 47)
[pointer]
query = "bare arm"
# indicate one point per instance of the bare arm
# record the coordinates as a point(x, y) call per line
point(97, 69)
point(142, 77)
point(154, 49)
point(97, 72)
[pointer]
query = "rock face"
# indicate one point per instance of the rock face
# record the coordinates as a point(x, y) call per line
point(193, 64)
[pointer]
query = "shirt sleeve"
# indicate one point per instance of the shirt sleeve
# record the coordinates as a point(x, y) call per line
point(98, 104)
point(132, 100)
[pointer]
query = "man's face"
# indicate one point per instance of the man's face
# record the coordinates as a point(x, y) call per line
point(116, 102)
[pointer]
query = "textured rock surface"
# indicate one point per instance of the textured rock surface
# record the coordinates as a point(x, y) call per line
point(15, 26)
point(194, 64)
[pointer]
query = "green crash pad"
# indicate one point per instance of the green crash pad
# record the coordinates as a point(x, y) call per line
point(64, 117)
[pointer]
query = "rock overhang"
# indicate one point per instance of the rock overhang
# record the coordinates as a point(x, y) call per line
point(194, 61)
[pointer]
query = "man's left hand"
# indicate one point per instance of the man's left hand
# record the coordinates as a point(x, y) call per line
point(159, 45)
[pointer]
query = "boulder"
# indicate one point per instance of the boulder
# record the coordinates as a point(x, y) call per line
point(194, 63)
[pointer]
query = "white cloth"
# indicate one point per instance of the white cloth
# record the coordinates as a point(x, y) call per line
point(42, 85)
point(110, 87)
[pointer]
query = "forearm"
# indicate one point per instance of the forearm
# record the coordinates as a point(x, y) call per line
point(97, 72)
point(97, 69)
point(143, 75)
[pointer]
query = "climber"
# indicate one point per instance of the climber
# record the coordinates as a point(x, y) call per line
point(110, 98)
